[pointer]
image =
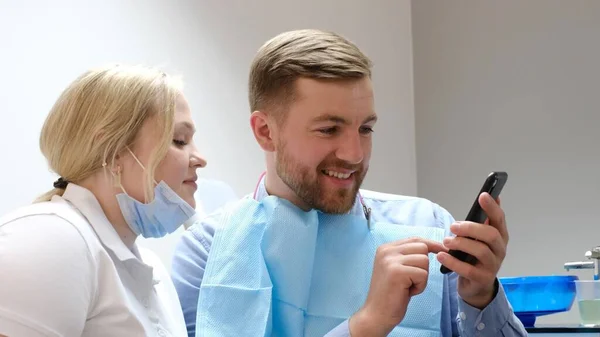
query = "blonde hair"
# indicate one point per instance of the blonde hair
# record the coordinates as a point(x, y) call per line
point(307, 53)
point(99, 115)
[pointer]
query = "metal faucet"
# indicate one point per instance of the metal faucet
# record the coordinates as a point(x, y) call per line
point(594, 263)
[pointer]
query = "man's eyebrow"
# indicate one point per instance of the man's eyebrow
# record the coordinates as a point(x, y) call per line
point(341, 120)
point(372, 118)
point(331, 118)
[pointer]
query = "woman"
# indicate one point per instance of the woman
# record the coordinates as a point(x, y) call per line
point(120, 138)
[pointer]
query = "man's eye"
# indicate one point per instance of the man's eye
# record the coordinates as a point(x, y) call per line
point(366, 130)
point(328, 131)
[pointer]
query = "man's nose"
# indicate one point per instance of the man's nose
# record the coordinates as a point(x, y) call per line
point(350, 149)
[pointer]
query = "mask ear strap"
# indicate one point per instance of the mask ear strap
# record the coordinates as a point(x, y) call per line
point(117, 177)
point(136, 158)
point(139, 162)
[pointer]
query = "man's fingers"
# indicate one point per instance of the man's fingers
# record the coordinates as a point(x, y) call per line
point(478, 249)
point(417, 261)
point(495, 214)
point(432, 246)
point(484, 233)
point(408, 271)
point(418, 276)
point(436, 247)
point(466, 270)
point(413, 248)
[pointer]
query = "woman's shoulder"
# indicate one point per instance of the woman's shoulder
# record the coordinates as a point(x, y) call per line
point(48, 258)
point(53, 227)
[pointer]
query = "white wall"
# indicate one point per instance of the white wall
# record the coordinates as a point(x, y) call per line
point(45, 45)
point(513, 85)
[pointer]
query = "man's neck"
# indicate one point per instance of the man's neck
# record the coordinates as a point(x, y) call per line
point(275, 186)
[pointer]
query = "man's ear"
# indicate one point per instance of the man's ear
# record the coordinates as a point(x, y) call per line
point(263, 129)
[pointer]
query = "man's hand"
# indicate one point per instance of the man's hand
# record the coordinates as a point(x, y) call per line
point(400, 271)
point(486, 242)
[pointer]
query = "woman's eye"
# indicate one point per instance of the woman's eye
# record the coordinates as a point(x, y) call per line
point(179, 142)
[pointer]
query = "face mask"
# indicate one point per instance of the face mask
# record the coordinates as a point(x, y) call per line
point(158, 218)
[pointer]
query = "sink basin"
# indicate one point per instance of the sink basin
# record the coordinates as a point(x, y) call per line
point(534, 296)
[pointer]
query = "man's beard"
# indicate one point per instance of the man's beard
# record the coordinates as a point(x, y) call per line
point(305, 183)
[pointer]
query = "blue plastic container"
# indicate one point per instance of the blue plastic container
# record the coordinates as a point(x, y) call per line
point(534, 296)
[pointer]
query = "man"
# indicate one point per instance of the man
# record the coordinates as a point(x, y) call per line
point(313, 114)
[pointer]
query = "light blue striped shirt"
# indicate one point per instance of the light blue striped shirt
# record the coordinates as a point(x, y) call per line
point(458, 318)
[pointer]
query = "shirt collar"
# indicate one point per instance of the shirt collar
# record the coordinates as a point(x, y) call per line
point(87, 204)
point(261, 192)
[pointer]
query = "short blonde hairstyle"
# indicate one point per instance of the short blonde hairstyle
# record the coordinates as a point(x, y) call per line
point(306, 53)
point(99, 115)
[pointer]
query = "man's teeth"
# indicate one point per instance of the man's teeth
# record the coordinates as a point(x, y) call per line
point(338, 174)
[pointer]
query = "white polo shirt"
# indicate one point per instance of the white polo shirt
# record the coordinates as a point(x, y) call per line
point(64, 271)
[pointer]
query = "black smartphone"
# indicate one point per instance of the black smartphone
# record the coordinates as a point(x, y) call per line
point(493, 185)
